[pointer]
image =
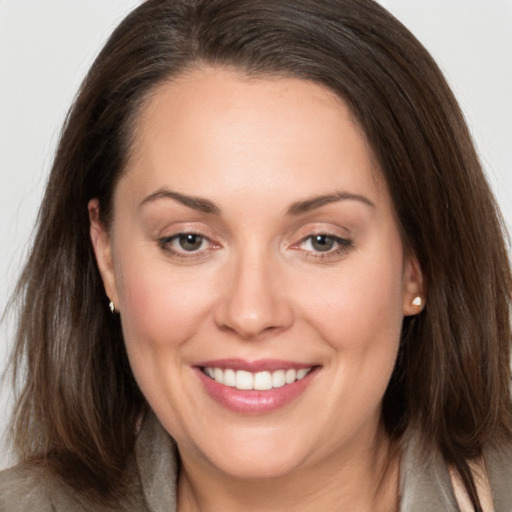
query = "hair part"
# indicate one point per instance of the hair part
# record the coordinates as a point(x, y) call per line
point(79, 402)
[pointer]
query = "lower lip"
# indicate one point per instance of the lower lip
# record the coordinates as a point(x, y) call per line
point(252, 401)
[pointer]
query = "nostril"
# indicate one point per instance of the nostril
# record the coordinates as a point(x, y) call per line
point(253, 305)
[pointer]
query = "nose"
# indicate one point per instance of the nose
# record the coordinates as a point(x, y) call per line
point(254, 303)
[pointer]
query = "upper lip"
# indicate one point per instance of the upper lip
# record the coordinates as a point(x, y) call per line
point(253, 366)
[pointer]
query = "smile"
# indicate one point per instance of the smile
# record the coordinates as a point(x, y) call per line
point(258, 381)
point(255, 387)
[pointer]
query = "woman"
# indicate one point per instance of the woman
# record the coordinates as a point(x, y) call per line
point(268, 275)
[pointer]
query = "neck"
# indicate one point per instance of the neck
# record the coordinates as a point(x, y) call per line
point(360, 482)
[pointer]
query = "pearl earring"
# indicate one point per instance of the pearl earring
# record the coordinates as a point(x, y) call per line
point(112, 307)
point(417, 302)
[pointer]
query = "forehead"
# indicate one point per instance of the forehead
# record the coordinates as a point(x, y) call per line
point(218, 126)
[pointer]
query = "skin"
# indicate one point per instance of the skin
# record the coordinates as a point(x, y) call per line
point(258, 288)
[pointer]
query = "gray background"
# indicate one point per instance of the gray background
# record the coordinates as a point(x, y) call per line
point(46, 47)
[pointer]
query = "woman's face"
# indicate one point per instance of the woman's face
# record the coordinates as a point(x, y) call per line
point(258, 269)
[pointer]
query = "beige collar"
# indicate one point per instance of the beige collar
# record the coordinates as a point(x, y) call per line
point(425, 482)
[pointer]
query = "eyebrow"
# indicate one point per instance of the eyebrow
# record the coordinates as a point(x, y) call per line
point(196, 203)
point(298, 208)
point(319, 201)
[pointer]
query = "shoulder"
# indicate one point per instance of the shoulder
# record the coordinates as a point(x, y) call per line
point(426, 485)
point(26, 488)
point(32, 488)
point(499, 468)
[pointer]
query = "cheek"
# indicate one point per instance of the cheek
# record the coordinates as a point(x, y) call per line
point(160, 306)
point(358, 308)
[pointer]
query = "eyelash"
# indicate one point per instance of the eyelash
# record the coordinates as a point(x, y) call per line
point(343, 245)
point(165, 243)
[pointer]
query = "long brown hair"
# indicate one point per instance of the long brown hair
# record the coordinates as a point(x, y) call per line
point(78, 404)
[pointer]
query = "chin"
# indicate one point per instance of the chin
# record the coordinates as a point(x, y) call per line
point(257, 459)
point(238, 468)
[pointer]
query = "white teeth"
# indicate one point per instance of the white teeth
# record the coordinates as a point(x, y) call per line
point(244, 380)
point(260, 381)
point(217, 374)
point(278, 379)
point(291, 376)
point(302, 373)
point(263, 381)
point(229, 378)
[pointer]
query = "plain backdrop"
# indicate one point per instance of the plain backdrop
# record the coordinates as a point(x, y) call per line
point(46, 46)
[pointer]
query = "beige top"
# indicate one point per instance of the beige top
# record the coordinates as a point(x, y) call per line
point(152, 476)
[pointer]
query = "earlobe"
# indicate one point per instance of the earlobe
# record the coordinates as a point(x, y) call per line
point(414, 292)
point(101, 244)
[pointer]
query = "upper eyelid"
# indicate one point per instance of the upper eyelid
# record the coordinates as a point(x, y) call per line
point(184, 228)
point(323, 227)
point(325, 232)
point(188, 232)
point(330, 235)
point(341, 241)
point(297, 236)
point(174, 237)
point(334, 232)
point(302, 237)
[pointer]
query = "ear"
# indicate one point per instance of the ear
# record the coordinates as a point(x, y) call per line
point(101, 244)
point(414, 292)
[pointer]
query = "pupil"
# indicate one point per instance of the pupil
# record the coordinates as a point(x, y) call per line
point(190, 242)
point(323, 242)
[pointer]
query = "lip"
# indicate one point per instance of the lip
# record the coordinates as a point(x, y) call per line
point(260, 365)
point(252, 401)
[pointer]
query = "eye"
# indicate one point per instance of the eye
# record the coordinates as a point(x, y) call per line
point(187, 245)
point(322, 246)
point(322, 243)
point(189, 242)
